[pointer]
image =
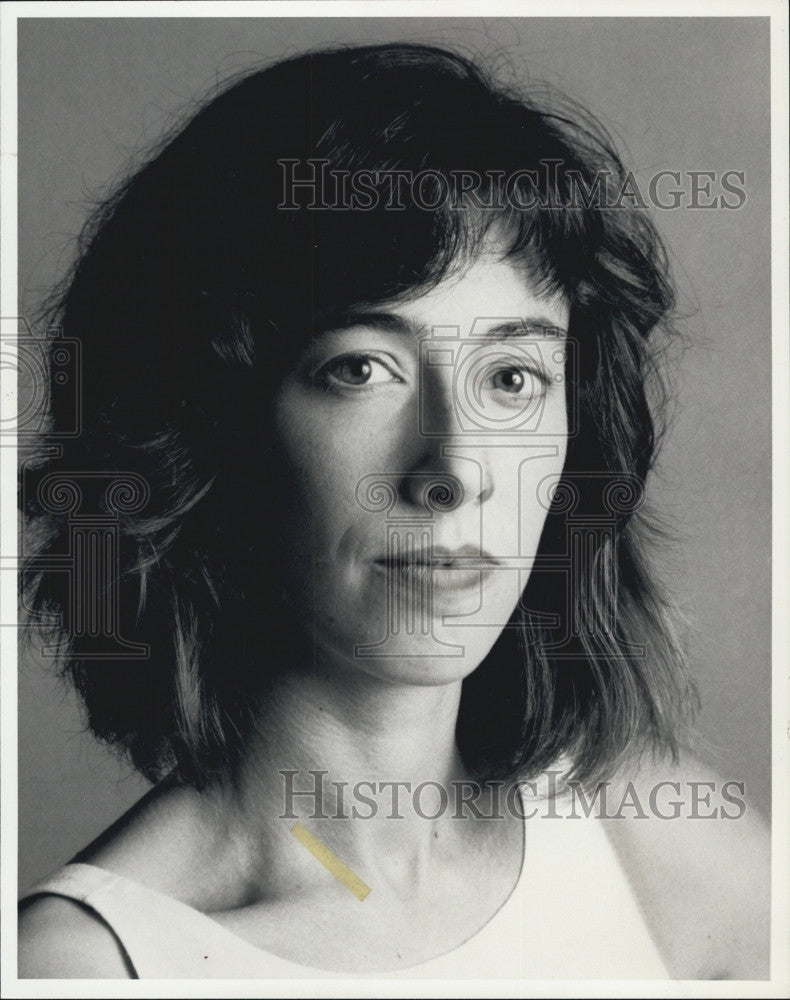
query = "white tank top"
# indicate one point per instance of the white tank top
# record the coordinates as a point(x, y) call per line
point(572, 915)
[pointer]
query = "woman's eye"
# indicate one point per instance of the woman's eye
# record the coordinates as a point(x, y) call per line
point(518, 381)
point(355, 370)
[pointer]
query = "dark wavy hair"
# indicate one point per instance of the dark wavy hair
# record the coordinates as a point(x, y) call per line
point(192, 294)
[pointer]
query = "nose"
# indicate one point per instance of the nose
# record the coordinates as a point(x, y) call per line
point(445, 470)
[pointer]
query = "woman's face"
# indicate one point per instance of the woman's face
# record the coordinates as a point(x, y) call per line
point(414, 443)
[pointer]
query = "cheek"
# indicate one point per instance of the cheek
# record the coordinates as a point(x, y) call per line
point(524, 472)
point(539, 477)
point(324, 456)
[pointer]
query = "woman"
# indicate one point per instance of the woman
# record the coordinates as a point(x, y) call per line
point(368, 348)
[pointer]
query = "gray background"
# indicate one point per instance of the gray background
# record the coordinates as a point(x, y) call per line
point(678, 94)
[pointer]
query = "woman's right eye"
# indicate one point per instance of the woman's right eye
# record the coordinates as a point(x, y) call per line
point(355, 371)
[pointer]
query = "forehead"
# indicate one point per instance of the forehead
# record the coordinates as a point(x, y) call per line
point(489, 288)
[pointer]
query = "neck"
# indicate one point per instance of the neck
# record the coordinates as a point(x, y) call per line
point(322, 749)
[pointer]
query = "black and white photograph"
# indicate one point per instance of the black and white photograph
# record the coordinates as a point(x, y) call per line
point(396, 401)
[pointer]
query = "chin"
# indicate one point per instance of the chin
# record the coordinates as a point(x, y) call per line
point(445, 655)
point(421, 636)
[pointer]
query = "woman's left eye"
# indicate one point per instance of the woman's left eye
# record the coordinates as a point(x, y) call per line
point(355, 371)
point(517, 381)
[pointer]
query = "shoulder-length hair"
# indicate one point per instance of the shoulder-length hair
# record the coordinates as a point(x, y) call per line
point(281, 201)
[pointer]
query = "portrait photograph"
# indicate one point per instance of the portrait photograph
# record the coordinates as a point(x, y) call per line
point(395, 589)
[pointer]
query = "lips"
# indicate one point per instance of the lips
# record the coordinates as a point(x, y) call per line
point(438, 557)
point(442, 570)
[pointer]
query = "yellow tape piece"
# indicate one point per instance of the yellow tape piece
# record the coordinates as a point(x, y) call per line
point(331, 862)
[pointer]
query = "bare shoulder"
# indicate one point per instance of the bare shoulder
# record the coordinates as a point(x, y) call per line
point(698, 858)
point(62, 939)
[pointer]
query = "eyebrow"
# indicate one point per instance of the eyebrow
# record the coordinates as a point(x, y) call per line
point(392, 323)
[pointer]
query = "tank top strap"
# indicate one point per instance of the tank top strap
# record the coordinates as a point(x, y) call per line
point(572, 915)
point(580, 916)
point(161, 936)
